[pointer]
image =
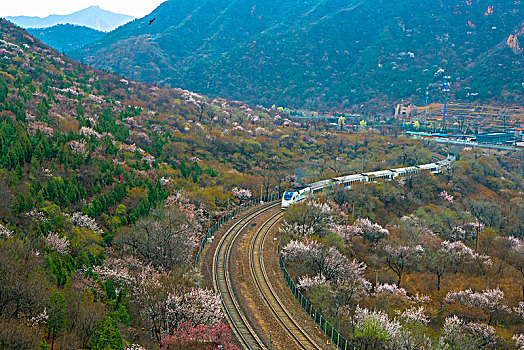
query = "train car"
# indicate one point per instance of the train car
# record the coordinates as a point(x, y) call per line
point(300, 193)
point(295, 195)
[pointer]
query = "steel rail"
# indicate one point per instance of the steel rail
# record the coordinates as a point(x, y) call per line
point(222, 282)
point(258, 272)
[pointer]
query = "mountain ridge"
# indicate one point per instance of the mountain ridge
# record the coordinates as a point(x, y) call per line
point(92, 17)
point(66, 37)
point(321, 55)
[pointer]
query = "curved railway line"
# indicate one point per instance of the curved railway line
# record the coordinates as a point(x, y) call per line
point(302, 339)
point(222, 283)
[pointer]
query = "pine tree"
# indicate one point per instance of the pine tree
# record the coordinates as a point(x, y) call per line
point(106, 336)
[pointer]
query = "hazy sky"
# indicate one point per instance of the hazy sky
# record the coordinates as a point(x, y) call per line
point(42, 8)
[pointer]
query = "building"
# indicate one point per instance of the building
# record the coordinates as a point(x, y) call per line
point(495, 137)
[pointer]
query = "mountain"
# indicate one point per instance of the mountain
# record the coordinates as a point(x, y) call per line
point(329, 54)
point(66, 37)
point(92, 17)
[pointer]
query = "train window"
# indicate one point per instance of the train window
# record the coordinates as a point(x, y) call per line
point(288, 195)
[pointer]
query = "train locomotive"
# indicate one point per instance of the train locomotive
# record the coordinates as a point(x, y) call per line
point(298, 194)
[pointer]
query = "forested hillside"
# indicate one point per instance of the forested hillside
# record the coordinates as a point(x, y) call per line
point(324, 54)
point(66, 37)
point(108, 184)
point(421, 262)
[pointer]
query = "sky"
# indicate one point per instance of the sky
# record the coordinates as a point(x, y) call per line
point(42, 8)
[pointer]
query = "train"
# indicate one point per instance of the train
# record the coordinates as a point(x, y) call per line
point(298, 194)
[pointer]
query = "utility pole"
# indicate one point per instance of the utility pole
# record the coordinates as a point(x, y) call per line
point(445, 102)
point(426, 112)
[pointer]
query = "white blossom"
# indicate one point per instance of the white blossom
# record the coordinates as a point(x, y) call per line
point(298, 249)
point(296, 229)
point(39, 319)
point(371, 231)
point(133, 347)
point(391, 290)
point(200, 306)
point(490, 301)
point(241, 193)
point(347, 232)
point(457, 334)
point(5, 232)
point(519, 309)
point(54, 242)
point(306, 282)
point(519, 341)
point(81, 220)
point(37, 215)
point(366, 319)
point(414, 315)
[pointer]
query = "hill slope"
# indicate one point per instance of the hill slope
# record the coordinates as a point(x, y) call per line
point(66, 37)
point(92, 17)
point(317, 54)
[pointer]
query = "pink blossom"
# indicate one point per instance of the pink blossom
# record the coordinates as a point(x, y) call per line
point(347, 232)
point(371, 231)
point(188, 333)
point(39, 319)
point(241, 193)
point(78, 147)
point(446, 197)
point(54, 242)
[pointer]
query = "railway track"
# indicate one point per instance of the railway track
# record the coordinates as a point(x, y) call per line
point(222, 282)
point(294, 330)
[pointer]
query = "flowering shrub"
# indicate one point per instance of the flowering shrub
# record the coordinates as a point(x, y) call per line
point(298, 249)
point(296, 229)
point(200, 306)
point(347, 232)
point(311, 215)
point(55, 242)
point(5, 232)
point(519, 309)
point(519, 341)
point(457, 334)
point(241, 193)
point(187, 334)
point(391, 290)
point(134, 347)
point(446, 197)
point(371, 231)
point(414, 315)
point(308, 283)
point(400, 258)
point(373, 328)
point(81, 220)
point(491, 301)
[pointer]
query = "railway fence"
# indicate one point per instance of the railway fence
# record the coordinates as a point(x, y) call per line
point(228, 216)
point(328, 329)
